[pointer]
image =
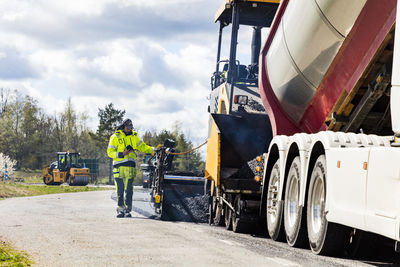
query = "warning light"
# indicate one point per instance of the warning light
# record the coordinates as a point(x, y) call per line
point(365, 166)
point(258, 168)
point(257, 178)
point(240, 99)
point(259, 159)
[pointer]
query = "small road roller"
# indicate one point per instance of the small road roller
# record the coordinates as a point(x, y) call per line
point(66, 170)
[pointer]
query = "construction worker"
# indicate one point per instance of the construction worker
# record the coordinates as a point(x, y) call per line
point(122, 148)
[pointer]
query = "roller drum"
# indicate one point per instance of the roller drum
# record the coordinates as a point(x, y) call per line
point(79, 180)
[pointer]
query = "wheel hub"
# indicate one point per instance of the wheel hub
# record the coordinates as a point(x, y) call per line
point(272, 201)
point(317, 204)
point(293, 200)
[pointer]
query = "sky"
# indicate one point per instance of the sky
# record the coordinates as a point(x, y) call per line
point(151, 58)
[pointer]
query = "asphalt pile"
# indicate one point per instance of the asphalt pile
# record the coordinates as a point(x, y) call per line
point(178, 206)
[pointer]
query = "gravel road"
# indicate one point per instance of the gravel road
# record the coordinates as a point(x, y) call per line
point(80, 229)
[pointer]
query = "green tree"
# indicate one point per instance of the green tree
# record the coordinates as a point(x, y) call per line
point(29, 130)
point(4, 98)
point(71, 127)
point(190, 162)
point(11, 138)
point(110, 118)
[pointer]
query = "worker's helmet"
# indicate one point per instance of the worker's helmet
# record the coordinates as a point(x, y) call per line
point(128, 124)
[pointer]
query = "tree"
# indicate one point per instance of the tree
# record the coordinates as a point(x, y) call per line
point(10, 129)
point(71, 134)
point(5, 160)
point(29, 130)
point(110, 118)
point(190, 162)
point(4, 98)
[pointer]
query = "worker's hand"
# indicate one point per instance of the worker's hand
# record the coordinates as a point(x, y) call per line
point(126, 152)
point(158, 146)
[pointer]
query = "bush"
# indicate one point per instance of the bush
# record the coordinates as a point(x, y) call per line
point(10, 165)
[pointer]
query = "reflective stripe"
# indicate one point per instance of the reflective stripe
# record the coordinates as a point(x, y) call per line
point(110, 146)
point(139, 143)
point(122, 161)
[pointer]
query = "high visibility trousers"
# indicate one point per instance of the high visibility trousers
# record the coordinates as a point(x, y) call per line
point(123, 178)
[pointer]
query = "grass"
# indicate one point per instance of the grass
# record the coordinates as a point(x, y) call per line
point(11, 257)
point(29, 176)
point(8, 190)
point(35, 177)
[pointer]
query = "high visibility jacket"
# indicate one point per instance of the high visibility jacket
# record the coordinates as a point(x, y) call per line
point(119, 141)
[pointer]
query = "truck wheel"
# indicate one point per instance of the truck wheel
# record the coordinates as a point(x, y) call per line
point(325, 238)
point(228, 214)
point(211, 212)
point(238, 226)
point(218, 217)
point(274, 205)
point(48, 180)
point(295, 223)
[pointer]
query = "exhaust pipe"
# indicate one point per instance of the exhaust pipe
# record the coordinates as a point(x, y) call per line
point(255, 45)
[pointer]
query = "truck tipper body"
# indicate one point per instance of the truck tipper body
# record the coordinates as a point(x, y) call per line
point(308, 146)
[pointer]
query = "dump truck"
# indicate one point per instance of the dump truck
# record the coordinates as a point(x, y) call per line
point(305, 139)
point(66, 170)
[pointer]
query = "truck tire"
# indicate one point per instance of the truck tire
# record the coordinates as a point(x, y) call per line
point(325, 238)
point(295, 223)
point(238, 225)
point(228, 214)
point(211, 212)
point(48, 180)
point(218, 218)
point(274, 205)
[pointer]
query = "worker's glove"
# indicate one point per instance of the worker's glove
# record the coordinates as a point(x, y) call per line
point(155, 149)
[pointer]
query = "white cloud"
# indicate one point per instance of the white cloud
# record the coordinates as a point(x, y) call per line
point(120, 63)
point(151, 58)
point(194, 62)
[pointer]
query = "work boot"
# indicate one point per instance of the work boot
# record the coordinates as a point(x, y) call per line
point(128, 215)
point(120, 215)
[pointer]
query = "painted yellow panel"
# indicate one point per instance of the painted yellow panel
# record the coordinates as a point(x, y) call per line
point(223, 100)
point(213, 155)
point(228, 2)
point(266, 1)
point(57, 175)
